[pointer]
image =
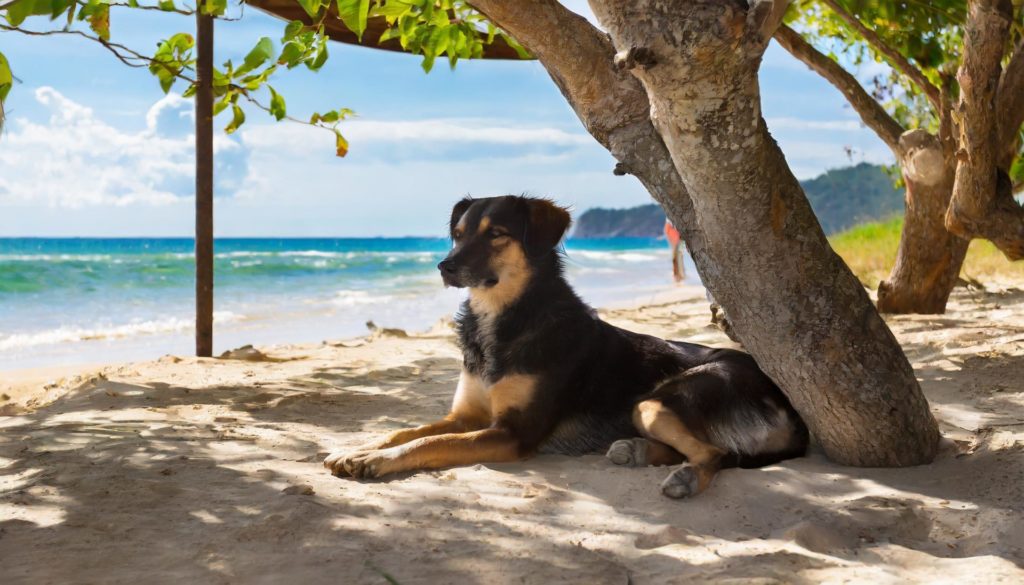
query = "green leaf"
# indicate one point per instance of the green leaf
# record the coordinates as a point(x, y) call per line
point(237, 119)
point(292, 54)
point(293, 28)
point(312, 7)
point(221, 104)
point(340, 144)
point(353, 13)
point(320, 59)
point(277, 107)
point(99, 21)
point(19, 11)
point(391, 9)
point(263, 50)
point(6, 77)
point(166, 5)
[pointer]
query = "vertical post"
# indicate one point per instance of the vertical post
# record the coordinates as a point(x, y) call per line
point(204, 185)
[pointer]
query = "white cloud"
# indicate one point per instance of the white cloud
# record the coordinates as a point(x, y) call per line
point(426, 132)
point(75, 159)
point(798, 124)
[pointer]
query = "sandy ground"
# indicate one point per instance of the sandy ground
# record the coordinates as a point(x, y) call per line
point(186, 470)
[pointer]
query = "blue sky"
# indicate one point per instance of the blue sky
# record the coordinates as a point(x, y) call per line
point(94, 148)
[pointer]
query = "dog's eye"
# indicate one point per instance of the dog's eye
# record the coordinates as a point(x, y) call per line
point(497, 232)
point(457, 234)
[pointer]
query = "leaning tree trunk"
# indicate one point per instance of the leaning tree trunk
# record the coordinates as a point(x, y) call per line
point(799, 310)
point(983, 205)
point(929, 257)
point(609, 101)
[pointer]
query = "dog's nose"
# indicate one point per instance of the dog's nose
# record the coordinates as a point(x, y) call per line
point(446, 266)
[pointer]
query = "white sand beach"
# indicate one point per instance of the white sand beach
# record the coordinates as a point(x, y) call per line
point(186, 470)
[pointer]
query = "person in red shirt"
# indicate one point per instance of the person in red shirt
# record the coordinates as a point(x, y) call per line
point(676, 242)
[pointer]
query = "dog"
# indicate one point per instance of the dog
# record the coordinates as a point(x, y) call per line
point(542, 373)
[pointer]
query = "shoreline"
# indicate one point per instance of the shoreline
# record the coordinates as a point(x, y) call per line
point(21, 385)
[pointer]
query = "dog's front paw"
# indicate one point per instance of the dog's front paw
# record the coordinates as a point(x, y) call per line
point(628, 452)
point(359, 464)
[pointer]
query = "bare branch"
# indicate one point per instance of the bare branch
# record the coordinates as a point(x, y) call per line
point(1010, 104)
point(765, 16)
point(871, 112)
point(982, 205)
point(892, 55)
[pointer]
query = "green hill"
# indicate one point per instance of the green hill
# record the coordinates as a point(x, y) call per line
point(841, 198)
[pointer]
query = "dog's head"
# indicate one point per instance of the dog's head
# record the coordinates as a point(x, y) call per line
point(498, 242)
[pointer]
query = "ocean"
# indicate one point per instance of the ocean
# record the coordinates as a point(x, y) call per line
point(85, 300)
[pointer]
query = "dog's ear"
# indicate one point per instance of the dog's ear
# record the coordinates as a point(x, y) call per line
point(545, 226)
point(457, 212)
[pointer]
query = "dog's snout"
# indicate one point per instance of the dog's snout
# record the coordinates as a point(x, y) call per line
point(446, 267)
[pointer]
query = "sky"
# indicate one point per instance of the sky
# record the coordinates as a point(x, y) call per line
point(95, 148)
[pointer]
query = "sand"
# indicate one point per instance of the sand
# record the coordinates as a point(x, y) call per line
point(185, 470)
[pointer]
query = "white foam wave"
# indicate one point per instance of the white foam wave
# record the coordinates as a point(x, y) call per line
point(71, 334)
point(55, 257)
point(353, 298)
point(615, 256)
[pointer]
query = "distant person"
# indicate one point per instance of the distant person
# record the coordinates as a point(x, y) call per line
point(676, 242)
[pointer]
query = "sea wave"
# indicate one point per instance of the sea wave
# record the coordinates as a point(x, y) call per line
point(353, 298)
point(69, 334)
point(615, 255)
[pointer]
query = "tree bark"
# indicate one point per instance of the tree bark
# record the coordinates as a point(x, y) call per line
point(929, 257)
point(798, 309)
point(204, 185)
point(983, 205)
point(608, 99)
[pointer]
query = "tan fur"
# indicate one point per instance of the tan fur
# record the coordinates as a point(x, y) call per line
point(659, 453)
point(510, 265)
point(448, 450)
point(513, 392)
point(485, 223)
point(661, 424)
point(449, 424)
point(471, 402)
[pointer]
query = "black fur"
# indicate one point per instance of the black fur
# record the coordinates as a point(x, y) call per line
point(591, 373)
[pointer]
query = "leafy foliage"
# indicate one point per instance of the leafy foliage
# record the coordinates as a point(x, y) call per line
point(430, 28)
point(928, 33)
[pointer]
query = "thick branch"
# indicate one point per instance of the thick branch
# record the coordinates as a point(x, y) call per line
point(1010, 105)
point(982, 205)
point(892, 55)
point(609, 100)
point(871, 112)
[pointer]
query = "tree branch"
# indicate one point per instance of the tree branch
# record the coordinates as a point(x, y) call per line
point(610, 101)
point(982, 205)
point(892, 55)
point(1010, 105)
point(871, 112)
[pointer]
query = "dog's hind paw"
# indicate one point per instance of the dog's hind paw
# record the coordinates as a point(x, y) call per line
point(683, 482)
point(628, 452)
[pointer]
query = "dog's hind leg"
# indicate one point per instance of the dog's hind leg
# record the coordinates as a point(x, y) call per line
point(639, 452)
point(703, 459)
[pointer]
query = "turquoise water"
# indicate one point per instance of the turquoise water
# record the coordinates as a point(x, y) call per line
point(68, 301)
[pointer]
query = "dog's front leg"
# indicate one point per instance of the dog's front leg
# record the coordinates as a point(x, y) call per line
point(485, 446)
point(447, 425)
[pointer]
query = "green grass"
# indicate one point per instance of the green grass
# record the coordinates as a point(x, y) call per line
point(870, 251)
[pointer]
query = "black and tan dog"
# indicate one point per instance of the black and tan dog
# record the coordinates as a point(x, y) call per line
point(542, 373)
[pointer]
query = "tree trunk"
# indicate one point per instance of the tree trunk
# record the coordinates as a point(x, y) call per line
point(929, 257)
point(798, 309)
point(983, 205)
point(204, 185)
point(609, 101)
